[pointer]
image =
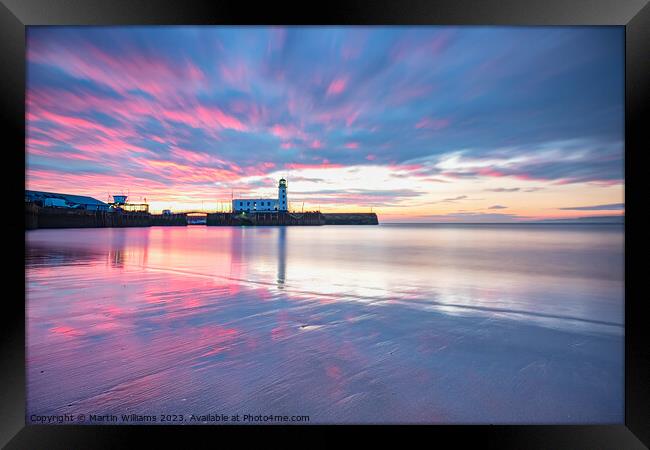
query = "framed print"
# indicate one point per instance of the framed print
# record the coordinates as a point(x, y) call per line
point(415, 217)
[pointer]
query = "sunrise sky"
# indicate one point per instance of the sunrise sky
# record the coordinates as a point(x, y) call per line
point(421, 124)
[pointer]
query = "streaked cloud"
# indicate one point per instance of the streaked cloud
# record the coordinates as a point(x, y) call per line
point(608, 207)
point(516, 189)
point(453, 199)
point(424, 116)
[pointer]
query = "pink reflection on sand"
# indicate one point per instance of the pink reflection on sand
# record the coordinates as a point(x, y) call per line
point(66, 331)
point(195, 318)
point(333, 372)
point(218, 339)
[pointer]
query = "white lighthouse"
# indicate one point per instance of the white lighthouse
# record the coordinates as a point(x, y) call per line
point(282, 195)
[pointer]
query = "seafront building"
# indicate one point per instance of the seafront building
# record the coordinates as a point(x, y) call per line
point(251, 205)
point(55, 200)
point(68, 201)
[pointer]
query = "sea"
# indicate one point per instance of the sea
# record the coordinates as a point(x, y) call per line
point(387, 324)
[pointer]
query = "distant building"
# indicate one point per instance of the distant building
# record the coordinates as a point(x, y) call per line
point(55, 200)
point(263, 204)
point(119, 199)
point(120, 204)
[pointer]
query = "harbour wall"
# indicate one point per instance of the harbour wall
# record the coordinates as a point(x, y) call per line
point(168, 220)
point(39, 217)
point(268, 219)
point(351, 219)
point(46, 217)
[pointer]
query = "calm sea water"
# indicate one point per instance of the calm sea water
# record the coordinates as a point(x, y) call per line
point(345, 324)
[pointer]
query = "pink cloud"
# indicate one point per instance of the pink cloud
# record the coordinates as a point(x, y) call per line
point(408, 93)
point(74, 123)
point(345, 113)
point(371, 157)
point(236, 74)
point(488, 172)
point(155, 75)
point(350, 119)
point(278, 37)
point(287, 132)
point(39, 142)
point(186, 173)
point(407, 167)
point(352, 50)
point(130, 110)
point(432, 124)
point(440, 42)
point(194, 72)
point(352, 145)
point(424, 49)
point(253, 113)
point(54, 134)
point(207, 117)
point(59, 154)
point(222, 119)
point(316, 144)
point(324, 165)
point(337, 86)
point(280, 131)
point(195, 157)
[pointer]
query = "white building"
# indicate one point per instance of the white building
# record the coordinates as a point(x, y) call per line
point(263, 204)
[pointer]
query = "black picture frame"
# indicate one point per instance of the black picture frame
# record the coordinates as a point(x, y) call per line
point(15, 15)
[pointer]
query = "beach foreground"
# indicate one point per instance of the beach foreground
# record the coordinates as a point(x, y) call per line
point(387, 324)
